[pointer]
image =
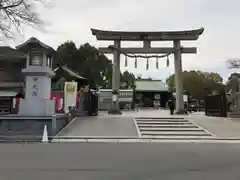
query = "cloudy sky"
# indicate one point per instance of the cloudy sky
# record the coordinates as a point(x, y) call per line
point(72, 20)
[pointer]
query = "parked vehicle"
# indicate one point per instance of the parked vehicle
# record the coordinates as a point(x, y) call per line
point(193, 106)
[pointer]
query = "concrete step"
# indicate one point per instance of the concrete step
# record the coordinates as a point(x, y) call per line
point(175, 133)
point(159, 118)
point(234, 114)
point(172, 129)
point(179, 137)
point(167, 126)
point(162, 122)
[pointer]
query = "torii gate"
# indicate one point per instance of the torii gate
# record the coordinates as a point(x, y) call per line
point(147, 37)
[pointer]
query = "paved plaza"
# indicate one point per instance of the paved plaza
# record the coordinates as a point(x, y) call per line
point(151, 125)
point(102, 125)
point(228, 128)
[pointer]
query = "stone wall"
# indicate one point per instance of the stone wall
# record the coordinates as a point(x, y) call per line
point(30, 128)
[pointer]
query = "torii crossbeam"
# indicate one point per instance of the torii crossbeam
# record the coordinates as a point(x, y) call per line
point(146, 38)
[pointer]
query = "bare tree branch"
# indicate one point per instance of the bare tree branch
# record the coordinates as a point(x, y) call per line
point(16, 13)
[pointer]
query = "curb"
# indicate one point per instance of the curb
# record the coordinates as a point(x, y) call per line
point(143, 138)
point(125, 140)
point(142, 141)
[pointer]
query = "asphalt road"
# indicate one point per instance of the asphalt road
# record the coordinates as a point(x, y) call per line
point(96, 161)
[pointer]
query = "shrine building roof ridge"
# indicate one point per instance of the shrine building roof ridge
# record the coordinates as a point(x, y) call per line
point(146, 85)
point(147, 35)
point(69, 71)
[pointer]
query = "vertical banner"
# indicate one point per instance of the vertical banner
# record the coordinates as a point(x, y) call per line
point(70, 95)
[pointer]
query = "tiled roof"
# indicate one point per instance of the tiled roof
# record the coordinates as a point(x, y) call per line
point(70, 72)
point(7, 52)
point(34, 40)
point(150, 85)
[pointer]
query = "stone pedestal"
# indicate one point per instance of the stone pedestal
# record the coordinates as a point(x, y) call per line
point(36, 107)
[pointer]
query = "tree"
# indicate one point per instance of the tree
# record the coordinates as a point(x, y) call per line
point(192, 83)
point(211, 76)
point(15, 13)
point(67, 53)
point(94, 65)
point(91, 64)
point(87, 61)
point(170, 81)
point(195, 82)
point(233, 82)
point(128, 80)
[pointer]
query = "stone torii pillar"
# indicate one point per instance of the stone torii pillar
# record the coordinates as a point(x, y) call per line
point(146, 37)
point(116, 79)
point(178, 77)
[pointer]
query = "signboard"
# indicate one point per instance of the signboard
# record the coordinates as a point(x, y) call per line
point(70, 95)
point(114, 97)
point(185, 98)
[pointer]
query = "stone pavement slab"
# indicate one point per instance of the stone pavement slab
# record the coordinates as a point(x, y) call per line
point(102, 125)
point(220, 127)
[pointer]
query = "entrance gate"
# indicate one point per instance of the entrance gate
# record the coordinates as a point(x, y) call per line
point(146, 37)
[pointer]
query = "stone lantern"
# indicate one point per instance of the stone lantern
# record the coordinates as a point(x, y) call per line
point(38, 74)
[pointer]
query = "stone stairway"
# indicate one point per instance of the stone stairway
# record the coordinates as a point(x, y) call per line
point(170, 128)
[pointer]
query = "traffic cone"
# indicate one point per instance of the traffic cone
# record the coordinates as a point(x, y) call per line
point(45, 135)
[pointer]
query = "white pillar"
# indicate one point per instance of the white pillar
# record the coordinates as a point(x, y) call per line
point(116, 79)
point(178, 77)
